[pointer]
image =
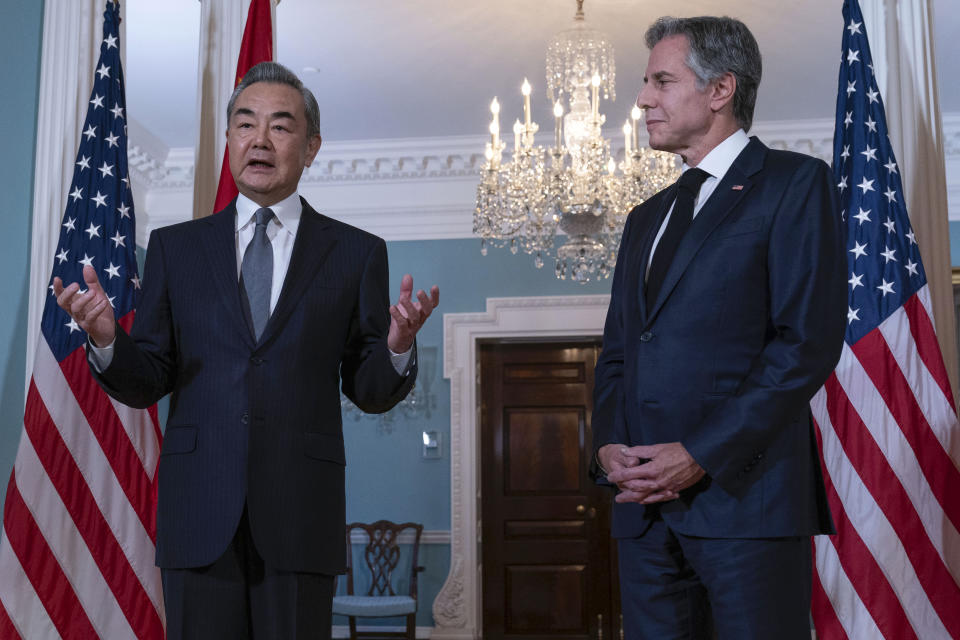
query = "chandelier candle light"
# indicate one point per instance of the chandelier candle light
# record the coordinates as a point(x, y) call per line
point(523, 202)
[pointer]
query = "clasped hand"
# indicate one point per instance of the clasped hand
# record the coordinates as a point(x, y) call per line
point(408, 315)
point(649, 473)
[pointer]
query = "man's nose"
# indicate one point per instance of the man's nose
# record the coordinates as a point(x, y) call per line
point(261, 136)
point(643, 100)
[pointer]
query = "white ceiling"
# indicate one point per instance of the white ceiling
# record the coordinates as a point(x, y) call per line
point(413, 68)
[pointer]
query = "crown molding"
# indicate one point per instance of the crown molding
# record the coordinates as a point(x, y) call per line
point(153, 166)
point(423, 188)
point(403, 159)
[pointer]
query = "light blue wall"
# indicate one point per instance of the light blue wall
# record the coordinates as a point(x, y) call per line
point(387, 478)
point(955, 243)
point(20, 34)
point(386, 475)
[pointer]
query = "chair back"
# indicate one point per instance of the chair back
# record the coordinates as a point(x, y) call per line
point(382, 555)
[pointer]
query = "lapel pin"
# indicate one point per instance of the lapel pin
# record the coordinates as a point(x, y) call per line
point(737, 187)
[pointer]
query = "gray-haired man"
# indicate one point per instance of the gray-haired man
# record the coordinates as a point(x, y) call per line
point(727, 314)
point(252, 319)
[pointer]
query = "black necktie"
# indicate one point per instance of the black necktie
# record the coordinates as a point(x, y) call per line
point(688, 186)
point(256, 271)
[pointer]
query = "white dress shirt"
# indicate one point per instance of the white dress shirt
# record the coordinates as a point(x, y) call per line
point(282, 231)
point(716, 163)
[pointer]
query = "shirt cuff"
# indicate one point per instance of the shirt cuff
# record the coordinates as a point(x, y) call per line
point(100, 357)
point(401, 361)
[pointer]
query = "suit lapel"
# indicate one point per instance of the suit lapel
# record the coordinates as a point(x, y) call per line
point(222, 256)
point(311, 247)
point(721, 203)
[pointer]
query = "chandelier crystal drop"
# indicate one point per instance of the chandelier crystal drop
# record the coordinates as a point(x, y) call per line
point(576, 186)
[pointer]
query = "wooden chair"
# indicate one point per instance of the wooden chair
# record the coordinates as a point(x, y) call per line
point(381, 555)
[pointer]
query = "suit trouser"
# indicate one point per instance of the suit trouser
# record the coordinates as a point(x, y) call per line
point(676, 587)
point(240, 597)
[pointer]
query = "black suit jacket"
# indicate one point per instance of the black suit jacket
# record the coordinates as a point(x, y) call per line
point(257, 422)
point(748, 324)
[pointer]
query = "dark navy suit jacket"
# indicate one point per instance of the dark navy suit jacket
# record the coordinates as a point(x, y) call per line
point(747, 326)
point(257, 422)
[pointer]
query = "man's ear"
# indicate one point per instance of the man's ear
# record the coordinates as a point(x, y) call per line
point(313, 146)
point(722, 91)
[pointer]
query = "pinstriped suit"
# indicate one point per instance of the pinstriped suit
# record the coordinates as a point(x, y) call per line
point(257, 423)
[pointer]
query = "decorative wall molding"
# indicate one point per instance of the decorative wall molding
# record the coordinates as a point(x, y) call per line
point(428, 536)
point(343, 631)
point(457, 608)
point(421, 188)
point(155, 167)
point(398, 159)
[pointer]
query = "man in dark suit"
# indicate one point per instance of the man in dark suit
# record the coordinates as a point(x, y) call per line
point(252, 319)
point(726, 316)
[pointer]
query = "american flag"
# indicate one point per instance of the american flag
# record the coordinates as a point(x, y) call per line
point(77, 547)
point(886, 422)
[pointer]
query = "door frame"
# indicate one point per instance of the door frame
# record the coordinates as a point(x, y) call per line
point(457, 610)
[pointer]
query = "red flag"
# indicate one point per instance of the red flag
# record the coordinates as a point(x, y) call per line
point(886, 423)
point(257, 46)
point(79, 521)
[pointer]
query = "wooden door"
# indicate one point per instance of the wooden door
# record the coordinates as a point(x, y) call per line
point(547, 570)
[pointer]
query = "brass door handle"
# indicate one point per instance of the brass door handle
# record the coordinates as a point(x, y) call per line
point(599, 626)
point(581, 509)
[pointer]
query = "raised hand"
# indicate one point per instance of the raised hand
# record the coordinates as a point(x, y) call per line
point(91, 309)
point(408, 315)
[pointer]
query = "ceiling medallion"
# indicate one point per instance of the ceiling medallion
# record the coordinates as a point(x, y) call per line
point(575, 186)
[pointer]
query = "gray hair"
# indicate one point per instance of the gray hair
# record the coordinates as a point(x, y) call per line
point(278, 74)
point(718, 46)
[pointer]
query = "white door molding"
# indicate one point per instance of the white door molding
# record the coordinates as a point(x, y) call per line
point(457, 608)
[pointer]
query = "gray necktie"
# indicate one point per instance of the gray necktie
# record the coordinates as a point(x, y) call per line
point(257, 272)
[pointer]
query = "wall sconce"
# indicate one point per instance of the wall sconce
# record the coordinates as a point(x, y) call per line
point(417, 405)
point(432, 449)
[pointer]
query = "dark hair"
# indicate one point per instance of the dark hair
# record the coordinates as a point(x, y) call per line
point(718, 46)
point(278, 74)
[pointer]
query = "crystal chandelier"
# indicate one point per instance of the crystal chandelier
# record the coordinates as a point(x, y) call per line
point(576, 185)
point(417, 406)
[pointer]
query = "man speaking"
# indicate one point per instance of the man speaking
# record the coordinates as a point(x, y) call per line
point(726, 316)
point(253, 319)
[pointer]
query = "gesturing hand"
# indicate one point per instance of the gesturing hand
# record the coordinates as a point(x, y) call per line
point(408, 315)
point(91, 309)
point(669, 470)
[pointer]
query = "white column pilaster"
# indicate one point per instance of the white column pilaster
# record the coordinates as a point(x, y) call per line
point(901, 40)
point(72, 31)
point(221, 32)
